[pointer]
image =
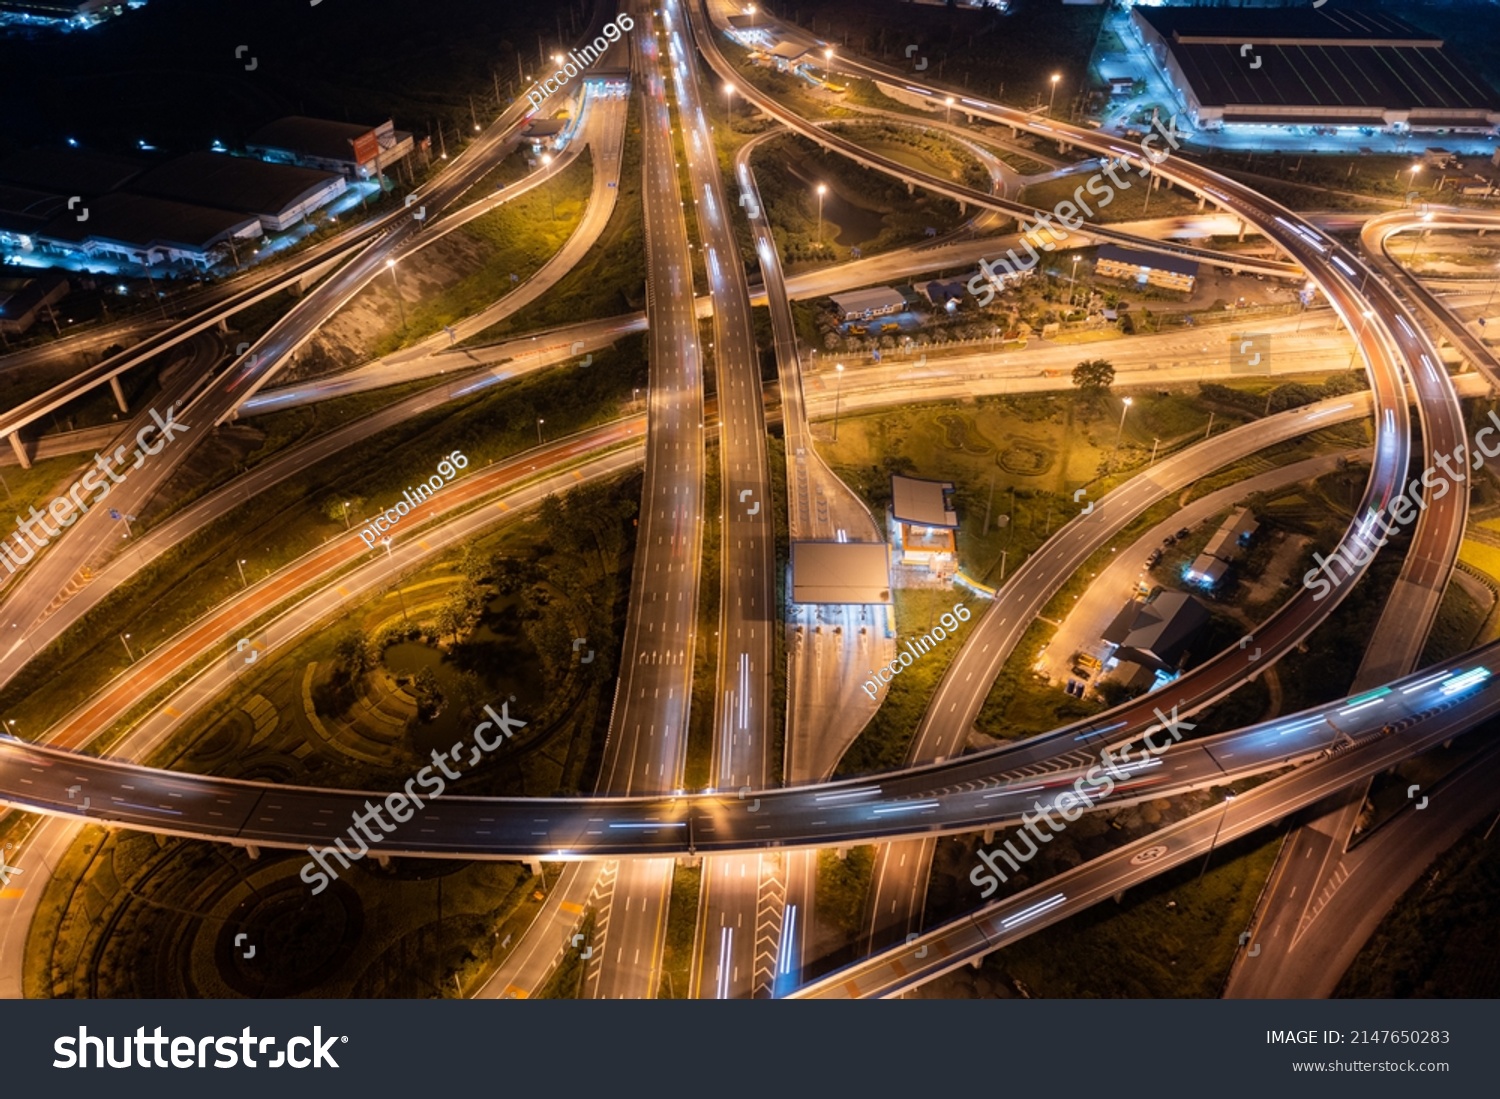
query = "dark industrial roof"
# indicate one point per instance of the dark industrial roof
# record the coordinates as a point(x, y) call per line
point(841, 572)
point(23, 210)
point(69, 171)
point(1315, 58)
point(1273, 25)
point(311, 137)
point(924, 503)
point(232, 183)
point(1180, 264)
point(547, 127)
point(1165, 627)
point(142, 221)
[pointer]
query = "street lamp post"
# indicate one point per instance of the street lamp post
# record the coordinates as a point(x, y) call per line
point(539, 424)
point(729, 106)
point(1120, 431)
point(551, 202)
point(822, 190)
point(239, 563)
point(1367, 314)
point(346, 516)
point(827, 65)
point(1073, 282)
point(1154, 444)
point(837, 399)
point(947, 110)
point(390, 265)
point(125, 640)
point(1053, 97)
point(1214, 842)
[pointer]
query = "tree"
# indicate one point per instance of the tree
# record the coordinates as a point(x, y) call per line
point(1093, 377)
point(428, 694)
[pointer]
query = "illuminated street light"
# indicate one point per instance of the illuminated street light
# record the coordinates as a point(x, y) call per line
point(539, 424)
point(837, 397)
point(1053, 97)
point(125, 640)
point(551, 202)
point(390, 265)
point(1367, 314)
point(1120, 431)
point(828, 64)
point(948, 110)
point(729, 105)
point(822, 190)
point(239, 563)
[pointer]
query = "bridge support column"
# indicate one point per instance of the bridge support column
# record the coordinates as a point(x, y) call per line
point(841, 852)
point(114, 387)
point(223, 326)
point(1242, 231)
point(535, 866)
point(689, 862)
point(383, 861)
point(1202, 201)
point(963, 208)
point(911, 189)
point(20, 449)
point(253, 851)
point(977, 963)
point(1119, 897)
point(989, 835)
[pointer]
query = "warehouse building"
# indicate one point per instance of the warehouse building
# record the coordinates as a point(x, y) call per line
point(22, 213)
point(356, 152)
point(1168, 272)
point(69, 171)
point(23, 299)
point(1329, 67)
point(1226, 547)
point(878, 301)
point(149, 231)
point(278, 195)
point(1158, 633)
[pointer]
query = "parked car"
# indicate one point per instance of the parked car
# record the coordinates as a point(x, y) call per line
point(1181, 534)
point(1154, 557)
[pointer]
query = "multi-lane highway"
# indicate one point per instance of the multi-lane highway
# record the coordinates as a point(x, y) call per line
point(648, 730)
